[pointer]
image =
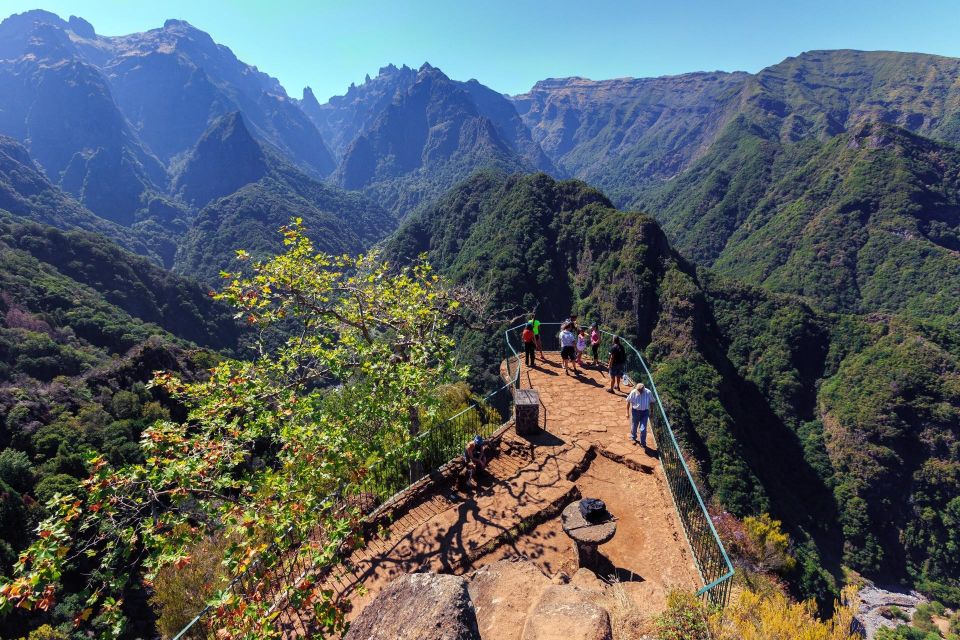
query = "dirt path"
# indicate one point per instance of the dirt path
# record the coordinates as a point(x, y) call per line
point(584, 450)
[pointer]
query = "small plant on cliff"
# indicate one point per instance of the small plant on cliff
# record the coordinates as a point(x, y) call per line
point(347, 366)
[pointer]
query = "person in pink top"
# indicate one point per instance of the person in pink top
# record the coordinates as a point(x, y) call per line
point(595, 344)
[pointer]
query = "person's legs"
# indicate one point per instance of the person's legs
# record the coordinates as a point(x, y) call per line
point(530, 355)
point(596, 355)
point(634, 418)
point(643, 419)
point(539, 343)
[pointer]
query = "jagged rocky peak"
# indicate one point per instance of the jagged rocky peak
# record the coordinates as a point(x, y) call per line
point(81, 27)
point(226, 157)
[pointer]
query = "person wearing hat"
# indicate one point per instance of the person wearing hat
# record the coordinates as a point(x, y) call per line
point(638, 410)
point(529, 345)
point(475, 457)
point(568, 349)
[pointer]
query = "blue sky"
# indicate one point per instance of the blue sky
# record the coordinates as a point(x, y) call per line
point(509, 45)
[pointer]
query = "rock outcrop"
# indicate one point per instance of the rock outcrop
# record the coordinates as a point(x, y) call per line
point(506, 600)
point(419, 606)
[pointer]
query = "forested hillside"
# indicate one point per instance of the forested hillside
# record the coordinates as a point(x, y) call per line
point(774, 397)
point(83, 326)
point(867, 221)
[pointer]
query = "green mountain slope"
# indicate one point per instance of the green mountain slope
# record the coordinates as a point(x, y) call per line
point(866, 221)
point(83, 326)
point(628, 135)
point(26, 192)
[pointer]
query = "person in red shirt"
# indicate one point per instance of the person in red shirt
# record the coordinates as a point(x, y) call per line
point(529, 345)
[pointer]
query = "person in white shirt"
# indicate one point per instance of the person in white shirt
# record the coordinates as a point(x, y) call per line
point(638, 410)
point(568, 351)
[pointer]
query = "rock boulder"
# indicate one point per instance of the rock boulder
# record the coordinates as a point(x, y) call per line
point(567, 612)
point(419, 606)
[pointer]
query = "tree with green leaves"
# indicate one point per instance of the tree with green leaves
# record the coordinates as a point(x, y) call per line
point(350, 361)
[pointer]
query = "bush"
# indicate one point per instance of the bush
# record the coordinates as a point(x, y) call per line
point(684, 619)
point(905, 632)
point(58, 483)
point(46, 632)
point(773, 616)
point(893, 612)
point(16, 469)
point(181, 593)
point(923, 616)
point(756, 544)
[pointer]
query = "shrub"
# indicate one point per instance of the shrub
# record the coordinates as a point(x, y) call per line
point(46, 632)
point(684, 619)
point(773, 616)
point(893, 612)
point(923, 616)
point(179, 594)
point(905, 632)
point(756, 544)
point(58, 483)
point(16, 469)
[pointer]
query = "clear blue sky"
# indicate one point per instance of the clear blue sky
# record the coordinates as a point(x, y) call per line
point(508, 45)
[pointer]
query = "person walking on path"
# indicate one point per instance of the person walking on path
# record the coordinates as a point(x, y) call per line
point(595, 344)
point(529, 346)
point(568, 353)
point(638, 410)
point(536, 337)
point(581, 346)
point(617, 364)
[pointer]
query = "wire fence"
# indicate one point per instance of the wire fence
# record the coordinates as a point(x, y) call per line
point(711, 559)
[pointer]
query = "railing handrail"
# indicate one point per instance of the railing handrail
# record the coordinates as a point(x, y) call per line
point(676, 446)
point(686, 469)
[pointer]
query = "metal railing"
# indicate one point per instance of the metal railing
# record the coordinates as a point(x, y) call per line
point(711, 559)
point(287, 561)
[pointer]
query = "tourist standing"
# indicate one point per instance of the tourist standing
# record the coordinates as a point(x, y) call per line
point(536, 337)
point(568, 350)
point(581, 346)
point(617, 364)
point(595, 344)
point(638, 410)
point(529, 345)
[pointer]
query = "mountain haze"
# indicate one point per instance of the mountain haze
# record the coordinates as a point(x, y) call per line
point(246, 192)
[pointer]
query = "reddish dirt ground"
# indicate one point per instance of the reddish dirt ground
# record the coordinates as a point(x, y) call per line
point(585, 447)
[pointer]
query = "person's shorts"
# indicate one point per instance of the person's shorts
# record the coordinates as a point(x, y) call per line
point(568, 353)
point(616, 370)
